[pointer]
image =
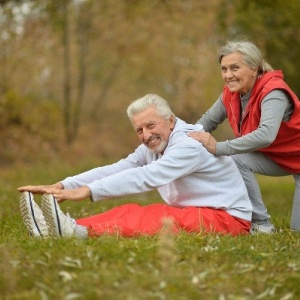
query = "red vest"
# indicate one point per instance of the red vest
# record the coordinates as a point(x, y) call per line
point(285, 150)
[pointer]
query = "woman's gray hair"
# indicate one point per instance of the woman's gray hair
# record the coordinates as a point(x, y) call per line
point(162, 107)
point(251, 55)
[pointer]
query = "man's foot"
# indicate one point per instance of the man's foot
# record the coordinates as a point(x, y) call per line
point(267, 228)
point(32, 216)
point(59, 224)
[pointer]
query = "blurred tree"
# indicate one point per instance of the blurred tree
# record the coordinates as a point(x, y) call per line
point(273, 25)
point(63, 13)
point(4, 2)
point(90, 59)
point(10, 29)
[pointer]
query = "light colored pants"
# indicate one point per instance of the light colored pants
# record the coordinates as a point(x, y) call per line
point(255, 162)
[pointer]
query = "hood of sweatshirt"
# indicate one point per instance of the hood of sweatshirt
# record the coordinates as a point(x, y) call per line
point(182, 126)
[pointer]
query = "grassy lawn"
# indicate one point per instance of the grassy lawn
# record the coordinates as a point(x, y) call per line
point(163, 267)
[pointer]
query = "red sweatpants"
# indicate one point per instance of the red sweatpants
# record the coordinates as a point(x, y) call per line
point(133, 220)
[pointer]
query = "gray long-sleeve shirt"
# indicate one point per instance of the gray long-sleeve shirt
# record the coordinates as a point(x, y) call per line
point(185, 175)
point(275, 108)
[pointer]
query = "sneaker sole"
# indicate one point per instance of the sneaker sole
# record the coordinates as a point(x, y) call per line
point(27, 213)
point(259, 229)
point(49, 207)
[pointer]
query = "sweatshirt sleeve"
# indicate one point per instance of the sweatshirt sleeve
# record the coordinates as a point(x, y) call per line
point(178, 160)
point(132, 161)
point(213, 116)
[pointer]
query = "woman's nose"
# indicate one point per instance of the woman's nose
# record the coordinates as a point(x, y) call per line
point(227, 74)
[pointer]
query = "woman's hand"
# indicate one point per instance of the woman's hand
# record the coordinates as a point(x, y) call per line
point(207, 140)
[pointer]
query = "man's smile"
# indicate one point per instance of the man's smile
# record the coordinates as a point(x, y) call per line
point(152, 141)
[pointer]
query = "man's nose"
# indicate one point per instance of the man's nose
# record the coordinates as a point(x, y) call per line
point(147, 134)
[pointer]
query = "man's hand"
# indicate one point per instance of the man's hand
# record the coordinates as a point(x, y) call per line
point(207, 140)
point(58, 191)
point(62, 195)
point(40, 189)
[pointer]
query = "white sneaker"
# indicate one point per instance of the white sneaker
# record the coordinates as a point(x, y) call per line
point(267, 228)
point(59, 224)
point(32, 216)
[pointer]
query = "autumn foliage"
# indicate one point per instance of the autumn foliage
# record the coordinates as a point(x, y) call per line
point(69, 69)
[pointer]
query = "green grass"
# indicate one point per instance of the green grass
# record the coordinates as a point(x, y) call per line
point(185, 266)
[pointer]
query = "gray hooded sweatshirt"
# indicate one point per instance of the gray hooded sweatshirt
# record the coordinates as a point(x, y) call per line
point(186, 174)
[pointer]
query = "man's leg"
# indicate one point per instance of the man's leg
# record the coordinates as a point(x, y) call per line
point(255, 162)
point(112, 214)
point(148, 220)
point(295, 218)
point(207, 220)
point(132, 220)
point(129, 220)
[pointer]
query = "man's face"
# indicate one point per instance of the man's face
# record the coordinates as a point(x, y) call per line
point(153, 130)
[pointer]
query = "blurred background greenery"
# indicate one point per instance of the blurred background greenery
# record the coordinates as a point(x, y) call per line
point(68, 71)
point(70, 68)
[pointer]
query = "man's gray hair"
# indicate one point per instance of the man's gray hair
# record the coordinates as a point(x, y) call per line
point(251, 55)
point(162, 107)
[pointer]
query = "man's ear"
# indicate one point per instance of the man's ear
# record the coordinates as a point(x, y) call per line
point(172, 122)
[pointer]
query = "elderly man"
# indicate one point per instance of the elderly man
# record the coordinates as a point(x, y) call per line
point(202, 192)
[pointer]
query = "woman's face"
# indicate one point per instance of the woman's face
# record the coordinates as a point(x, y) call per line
point(238, 76)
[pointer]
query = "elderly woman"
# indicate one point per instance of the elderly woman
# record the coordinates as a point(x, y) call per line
point(264, 114)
